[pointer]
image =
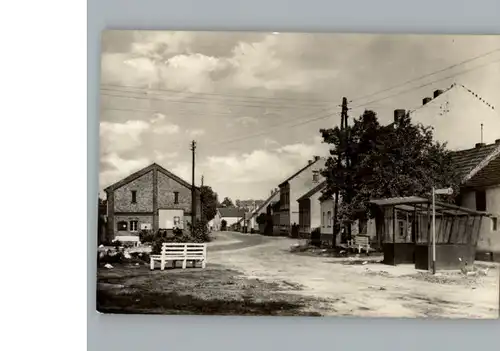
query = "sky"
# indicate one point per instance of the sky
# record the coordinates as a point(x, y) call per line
point(255, 102)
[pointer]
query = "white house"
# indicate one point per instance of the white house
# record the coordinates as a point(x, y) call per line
point(310, 210)
point(214, 224)
point(480, 168)
point(293, 188)
point(327, 208)
point(455, 110)
point(231, 215)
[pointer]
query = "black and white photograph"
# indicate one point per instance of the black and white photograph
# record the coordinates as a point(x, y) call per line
point(299, 174)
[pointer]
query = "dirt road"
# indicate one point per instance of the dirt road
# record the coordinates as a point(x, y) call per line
point(373, 290)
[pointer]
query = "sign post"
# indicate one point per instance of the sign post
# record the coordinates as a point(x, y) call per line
point(445, 191)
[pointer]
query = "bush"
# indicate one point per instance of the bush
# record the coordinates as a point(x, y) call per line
point(316, 237)
point(146, 236)
point(223, 225)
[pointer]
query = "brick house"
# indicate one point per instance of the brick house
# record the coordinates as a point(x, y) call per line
point(480, 189)
point(294, 187)
point(150, 199)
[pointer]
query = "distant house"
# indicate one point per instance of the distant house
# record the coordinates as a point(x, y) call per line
point(251, 217)
point(231, 215)
point(480, 190)
point(327, 209)
point(293, 188)
point(214, 223)
point(310, 210)
point(149, 199)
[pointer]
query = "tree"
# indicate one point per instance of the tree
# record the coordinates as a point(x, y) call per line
point(237, 203)
point(227, 202)
point(223, 225)
point(396, 160)
point(209, 203)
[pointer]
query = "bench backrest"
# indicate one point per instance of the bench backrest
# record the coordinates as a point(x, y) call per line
point(361, 240)
point(184, 249)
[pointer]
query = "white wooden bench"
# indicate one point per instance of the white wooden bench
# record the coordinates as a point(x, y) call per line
point(128, 239)
point(180, 252)
point(360, 242)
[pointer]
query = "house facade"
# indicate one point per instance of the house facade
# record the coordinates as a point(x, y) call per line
point(480, 190)
point(310, 210)
point(361, 227)
point(293, 188)
point(231, 215)
point(150, 199)
point(453, 110)
point(251, 217)
point(214, 223)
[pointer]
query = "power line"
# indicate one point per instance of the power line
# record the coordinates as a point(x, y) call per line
point(218, 94)
point(358, 106)
point(226, 103)
point(427, 75)
point(426, 84)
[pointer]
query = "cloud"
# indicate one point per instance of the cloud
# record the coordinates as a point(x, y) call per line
point(195, 132)
point(116, 137)
point(167, 129)
point(160, 156)
point(157, 117)
point(269, 142)
point(118, 168)
point(246, 120)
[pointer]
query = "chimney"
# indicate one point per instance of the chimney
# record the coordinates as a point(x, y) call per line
point(310, 161)
point(316, 158)
point(480, 145)
point(437, 93)
point(497, 141)
point(426, 100)
point(398, 114)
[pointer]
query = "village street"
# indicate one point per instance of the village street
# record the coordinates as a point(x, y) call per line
point(372, 289)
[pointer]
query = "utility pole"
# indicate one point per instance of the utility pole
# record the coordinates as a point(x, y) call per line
point(201, 199)
point(343, 125)
point(193, 189)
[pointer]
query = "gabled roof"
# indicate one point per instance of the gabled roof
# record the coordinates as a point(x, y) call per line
point(316, 160)
point(144, 171)
point(265, 203)
point(313, 191)
point(456, 115)
point(479, 166)
point(232, 212)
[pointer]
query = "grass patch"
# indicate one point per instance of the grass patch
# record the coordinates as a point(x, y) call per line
point(211, 291)
point(175, 304)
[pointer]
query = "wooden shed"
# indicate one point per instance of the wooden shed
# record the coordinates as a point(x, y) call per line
point(404, 230)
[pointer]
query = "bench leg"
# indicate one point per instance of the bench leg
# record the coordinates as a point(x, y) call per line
point(162, 266)
point(152, 264)
point(184, 262)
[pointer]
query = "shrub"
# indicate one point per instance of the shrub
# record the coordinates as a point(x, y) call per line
point(223, 225)
point(200, 232)
point(316, 237)
point(146, 236)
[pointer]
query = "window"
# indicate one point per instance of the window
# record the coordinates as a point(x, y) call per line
point(323, 221)
point(176, 197)
point(401, 228)
point(121, 226)
point(494, 222)
point(329, 218)
point(134, 196)
point(133, 226)
point(315, 176)
point(480, 200)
